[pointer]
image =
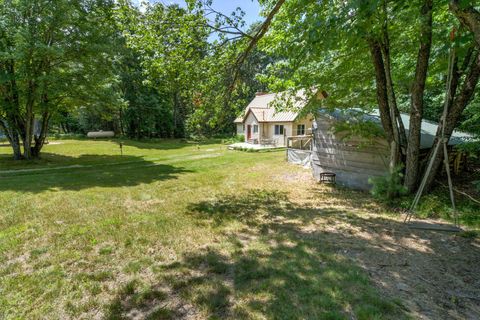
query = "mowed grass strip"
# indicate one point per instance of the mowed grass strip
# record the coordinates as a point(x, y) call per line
point(177, 231)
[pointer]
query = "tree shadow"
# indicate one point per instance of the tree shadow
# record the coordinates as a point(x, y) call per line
point(154, 144)
point(140, 302)
point(165, 144)
point(292, 261)
point(88, 171)
point(248, 208)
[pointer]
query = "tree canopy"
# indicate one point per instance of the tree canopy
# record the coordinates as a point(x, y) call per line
point(72, 66)
point(391, 55)
point(53, 54)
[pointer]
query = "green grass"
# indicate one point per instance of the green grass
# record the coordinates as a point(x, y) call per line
point(437, 204)
point(171, 229)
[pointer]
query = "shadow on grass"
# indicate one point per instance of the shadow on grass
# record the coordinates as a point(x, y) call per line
point(294, 280)
point(154, 144)
point(150, 144)
point(144, 303)
point(248, 208)
point(88, 171)
point(273, 268)
point(291, 261)
point(166, 144)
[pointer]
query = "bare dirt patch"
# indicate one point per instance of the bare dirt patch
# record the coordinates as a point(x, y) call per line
point(434, 273)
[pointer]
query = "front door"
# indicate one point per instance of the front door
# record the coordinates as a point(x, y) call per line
point(249, 132)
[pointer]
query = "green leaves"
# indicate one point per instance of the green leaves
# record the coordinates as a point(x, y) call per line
point(54, 55)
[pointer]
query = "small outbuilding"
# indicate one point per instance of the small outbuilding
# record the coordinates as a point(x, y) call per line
point(355, 160)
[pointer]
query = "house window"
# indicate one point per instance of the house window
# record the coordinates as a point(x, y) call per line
point(255, 128)
point(279, 129)
point(300, 130)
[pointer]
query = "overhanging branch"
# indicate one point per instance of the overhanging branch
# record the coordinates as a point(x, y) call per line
point(254, 40)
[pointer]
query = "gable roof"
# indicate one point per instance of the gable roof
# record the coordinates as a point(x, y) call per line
point(428, 128)
point(263, 110)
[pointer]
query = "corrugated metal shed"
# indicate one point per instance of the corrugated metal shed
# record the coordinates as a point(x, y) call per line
point(428, 131)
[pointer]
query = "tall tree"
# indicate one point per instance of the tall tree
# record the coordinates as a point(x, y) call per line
point(417, 96)
point(333, 37)
point(50, 52)
point(173, 42)
point(462, 93)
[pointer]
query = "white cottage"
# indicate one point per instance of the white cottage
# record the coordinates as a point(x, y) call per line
point(262, 124)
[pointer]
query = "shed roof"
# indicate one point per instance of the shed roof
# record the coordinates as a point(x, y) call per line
point(428, 129)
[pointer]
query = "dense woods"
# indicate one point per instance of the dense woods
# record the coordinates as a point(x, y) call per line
point(155, 71)
point(159, 70)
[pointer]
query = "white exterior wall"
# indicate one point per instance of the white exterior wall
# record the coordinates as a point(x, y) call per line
point(290, 129)
point(281, 140)
point(251, 120)
point(307, 121)
point(266, 130)
point(240, 128)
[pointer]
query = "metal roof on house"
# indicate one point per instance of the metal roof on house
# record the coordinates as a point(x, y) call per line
point(264, 111)
point(270, 115)
point(428, 129)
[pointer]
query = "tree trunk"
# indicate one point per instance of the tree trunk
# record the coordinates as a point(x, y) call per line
point(121, 121)
point(468, 17)
point(398, 129)
point(381, 86)
point(387, 113)
point(40, 139)
point(453, 115)
point(392, 99)
point(395, 144)
point(11, 124)
point(178, 115)
point(64, 127)
point(13, 139)
point(29, 122)
point(416, 103)
point(15, 143)
point(175, 114)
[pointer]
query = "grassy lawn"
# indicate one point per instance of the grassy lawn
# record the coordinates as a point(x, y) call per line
point(174, 230)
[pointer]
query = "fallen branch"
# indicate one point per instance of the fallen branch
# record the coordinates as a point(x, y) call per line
point(462, 193)
point(467, 195)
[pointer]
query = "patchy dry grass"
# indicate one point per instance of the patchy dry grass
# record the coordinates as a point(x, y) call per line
point(173, 230)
